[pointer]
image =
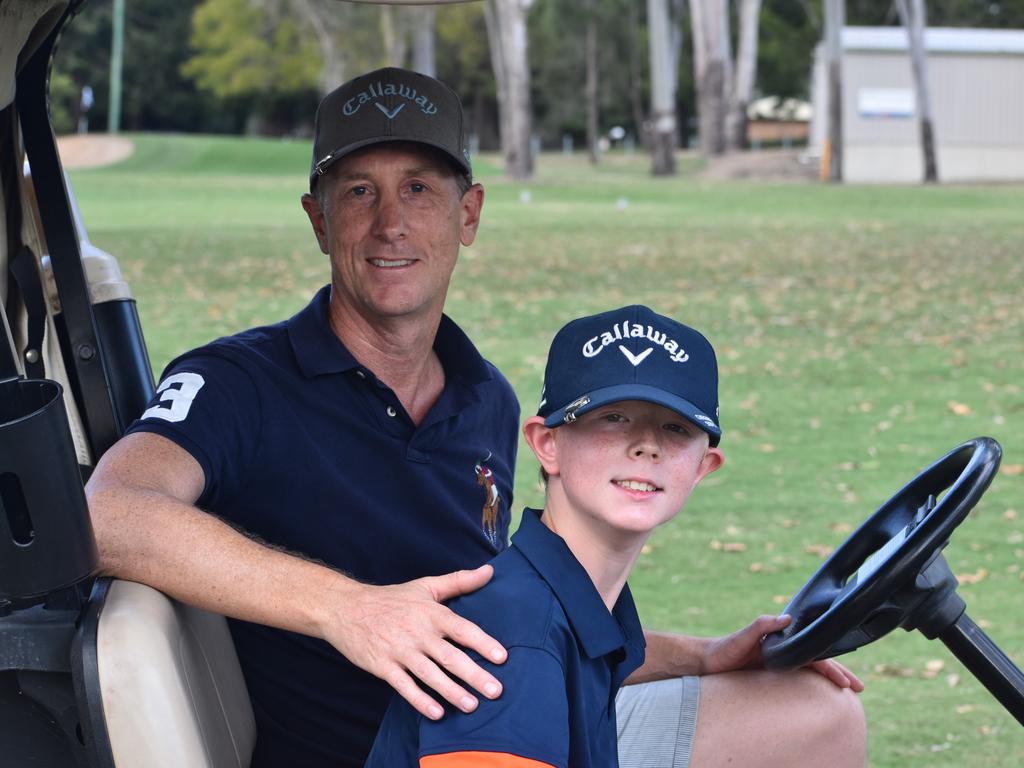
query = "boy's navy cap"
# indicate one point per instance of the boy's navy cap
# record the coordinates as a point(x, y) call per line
point(388, 105)
point(631, 353)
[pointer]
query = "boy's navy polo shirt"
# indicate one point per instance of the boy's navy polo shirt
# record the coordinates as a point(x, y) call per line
point(568, 656)
point(305, 448)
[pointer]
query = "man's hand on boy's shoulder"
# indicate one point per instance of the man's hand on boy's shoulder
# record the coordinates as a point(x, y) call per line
point(405, 635)
point(742, 650)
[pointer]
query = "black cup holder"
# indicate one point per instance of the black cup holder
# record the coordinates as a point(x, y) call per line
point(46, 537)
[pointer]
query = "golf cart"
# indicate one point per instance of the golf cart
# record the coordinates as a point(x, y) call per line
point(99, 672)
point(93, 672)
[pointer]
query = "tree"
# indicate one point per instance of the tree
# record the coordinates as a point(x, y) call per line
point(663, 110)
point(506, 31)
point(463, 59)
point(913, 17)
point(746, 74)
point(327, 24)
point(788, 31)
point(423, 57)
point(590, 56)
point(155, 95)
point(713, 70)
point(241, 50)
point(395, 32)
point(835, 15)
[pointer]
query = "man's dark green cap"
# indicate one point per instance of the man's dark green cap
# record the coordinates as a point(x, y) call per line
point(389, 105)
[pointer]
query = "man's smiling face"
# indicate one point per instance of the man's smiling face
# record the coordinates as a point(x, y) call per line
point(392, 221)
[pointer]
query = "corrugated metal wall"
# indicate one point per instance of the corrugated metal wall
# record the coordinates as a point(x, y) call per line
point(977, 104)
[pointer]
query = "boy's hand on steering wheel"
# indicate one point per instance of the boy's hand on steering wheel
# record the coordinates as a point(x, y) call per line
point(742, 650)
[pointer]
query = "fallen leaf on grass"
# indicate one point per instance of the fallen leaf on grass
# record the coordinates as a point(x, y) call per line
point(932, 668)
point(780, 599)
point(893, 670)
point(840, 527)
point(963, 709)
point(1010, 514)
point(953, 680)
point(820, 550)
point(1012, 469)
point(728, 546)
point(973, 578)
point(960, 409)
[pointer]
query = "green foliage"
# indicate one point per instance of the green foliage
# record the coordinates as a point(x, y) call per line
point(558, 68)
point(63, 96)
point(240, 50)
point(155, 95)
point(786, 48)
point(257, 57)
point(862, 332)
point(464, 62)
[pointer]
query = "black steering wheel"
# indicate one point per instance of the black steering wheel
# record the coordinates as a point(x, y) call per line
point(890, 572)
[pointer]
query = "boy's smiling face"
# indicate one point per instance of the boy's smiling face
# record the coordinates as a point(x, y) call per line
point(622, 468)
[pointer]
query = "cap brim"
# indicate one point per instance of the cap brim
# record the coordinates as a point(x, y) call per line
point(337, 154)
point(649, 394)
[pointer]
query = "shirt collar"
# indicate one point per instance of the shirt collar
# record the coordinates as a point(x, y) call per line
point(599, 631)
point(319, 351)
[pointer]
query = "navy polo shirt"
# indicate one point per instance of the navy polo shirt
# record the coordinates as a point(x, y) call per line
point(568, 656)
point(304, 447)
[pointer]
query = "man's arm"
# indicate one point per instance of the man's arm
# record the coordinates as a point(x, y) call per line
point(671, 655)
point(141, 498)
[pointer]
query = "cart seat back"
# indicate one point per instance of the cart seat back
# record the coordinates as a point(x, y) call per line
point(172, 690)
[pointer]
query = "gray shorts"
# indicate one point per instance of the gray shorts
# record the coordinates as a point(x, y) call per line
point(657, 722)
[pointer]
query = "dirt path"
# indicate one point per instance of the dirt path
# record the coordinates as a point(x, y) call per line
point(91, 150)
point(765, 165)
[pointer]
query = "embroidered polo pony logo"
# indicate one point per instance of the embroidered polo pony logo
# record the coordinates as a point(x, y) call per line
point(492, 500)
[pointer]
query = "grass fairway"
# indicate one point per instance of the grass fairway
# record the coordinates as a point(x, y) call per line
point(862, 333)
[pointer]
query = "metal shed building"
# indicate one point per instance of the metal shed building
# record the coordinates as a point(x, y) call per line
point(977, 93)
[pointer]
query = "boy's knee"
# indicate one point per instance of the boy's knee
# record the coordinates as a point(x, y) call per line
point(833, 719)
point(778, 719)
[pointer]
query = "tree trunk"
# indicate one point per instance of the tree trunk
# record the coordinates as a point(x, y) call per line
point(746, 75)
point(395, 34)
point(663, 113)
point(914, 20)
point(712, 70)
point(326, 24)
point(835, 18)
point(676, 11)
point(590, 54)
point(506, 32)
point(635, 78)
point(423, 57)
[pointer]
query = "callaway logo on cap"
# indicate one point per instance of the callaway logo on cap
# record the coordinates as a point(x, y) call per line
point(631, 353)
point(388, 105)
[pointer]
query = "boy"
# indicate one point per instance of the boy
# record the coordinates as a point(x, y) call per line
point(627, 427)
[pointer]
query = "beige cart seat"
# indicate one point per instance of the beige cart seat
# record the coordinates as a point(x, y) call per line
point(172, 690)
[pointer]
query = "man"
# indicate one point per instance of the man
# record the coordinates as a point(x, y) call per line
point(319, 480)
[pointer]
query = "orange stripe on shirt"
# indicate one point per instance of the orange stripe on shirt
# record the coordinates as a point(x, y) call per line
point(480, 760)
